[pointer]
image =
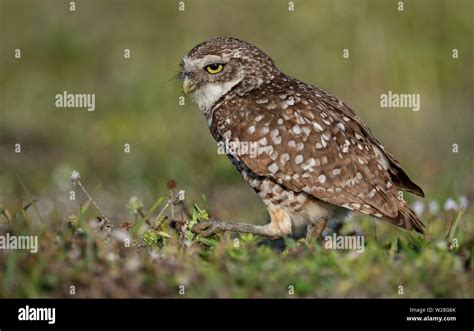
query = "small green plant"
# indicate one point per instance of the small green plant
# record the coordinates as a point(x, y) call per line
point(199, 215)
point(154, 238)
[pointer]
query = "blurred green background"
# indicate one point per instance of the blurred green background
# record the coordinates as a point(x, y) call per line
point(137, 99)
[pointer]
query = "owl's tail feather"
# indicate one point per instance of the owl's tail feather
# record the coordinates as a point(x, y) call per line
point(407, 219)
point(401, 180)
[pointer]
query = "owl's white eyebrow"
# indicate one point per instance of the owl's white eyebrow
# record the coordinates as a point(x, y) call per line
point(202, 62)
point(210, 59)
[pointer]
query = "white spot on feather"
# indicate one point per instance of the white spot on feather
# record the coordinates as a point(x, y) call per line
point(299, 159)
point(318, 127)
point(284, 157)
point(296, 129)
point(273, 168)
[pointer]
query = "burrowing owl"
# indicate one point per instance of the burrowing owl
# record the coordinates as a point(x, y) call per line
point(314, 159)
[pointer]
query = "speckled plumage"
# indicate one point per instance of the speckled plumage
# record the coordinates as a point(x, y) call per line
point(315, 160)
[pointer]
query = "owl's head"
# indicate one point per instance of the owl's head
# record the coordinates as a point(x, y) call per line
point(215, 67)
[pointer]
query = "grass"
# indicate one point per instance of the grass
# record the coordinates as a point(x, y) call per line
point(152, 254)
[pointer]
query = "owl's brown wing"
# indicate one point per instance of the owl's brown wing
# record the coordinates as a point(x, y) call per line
point(305, 147)
point(397, 174)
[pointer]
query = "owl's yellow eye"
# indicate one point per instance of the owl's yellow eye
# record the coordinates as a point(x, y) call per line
point(214, 68)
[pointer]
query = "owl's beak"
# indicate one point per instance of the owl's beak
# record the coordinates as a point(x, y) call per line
point(188, 86)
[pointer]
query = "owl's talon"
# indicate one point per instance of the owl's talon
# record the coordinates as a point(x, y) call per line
point(206, 228)
point(209, 232)
point(198, 228)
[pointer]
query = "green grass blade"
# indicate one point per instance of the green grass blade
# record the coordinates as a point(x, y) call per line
point(32, 202)
point(142, 220)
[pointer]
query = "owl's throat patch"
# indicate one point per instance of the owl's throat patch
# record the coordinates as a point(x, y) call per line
point(206, 96)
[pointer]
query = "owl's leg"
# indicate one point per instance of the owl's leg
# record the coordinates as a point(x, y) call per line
point(208, 228)
point(316, 229)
